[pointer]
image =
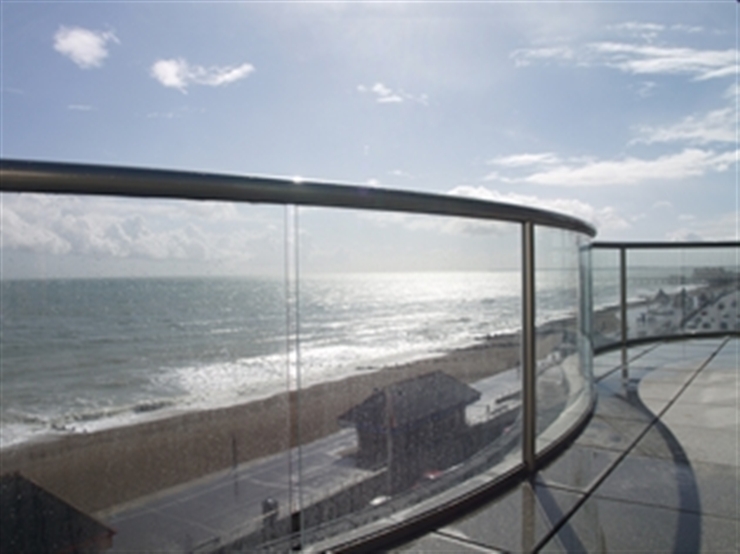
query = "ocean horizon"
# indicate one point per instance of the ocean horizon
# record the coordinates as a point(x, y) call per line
point(78, 355)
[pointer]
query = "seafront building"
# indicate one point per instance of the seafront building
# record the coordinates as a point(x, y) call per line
point(606, 421)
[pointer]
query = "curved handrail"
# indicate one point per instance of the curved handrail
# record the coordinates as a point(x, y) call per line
point(53, 177)
point(68, 178)
point(639, 341)
point(629, 245)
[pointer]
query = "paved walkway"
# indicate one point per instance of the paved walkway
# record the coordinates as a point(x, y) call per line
point(656, 470)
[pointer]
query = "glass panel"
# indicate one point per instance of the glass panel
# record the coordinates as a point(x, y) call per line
point(681, 290)
point(408, 357)
point(585, 310)
point(563, 369)
point(144, 371)
point(606, 314)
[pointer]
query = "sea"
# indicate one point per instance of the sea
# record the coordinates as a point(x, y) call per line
point(79, 355)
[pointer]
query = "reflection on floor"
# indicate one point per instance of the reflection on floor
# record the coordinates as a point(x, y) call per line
point(656, 470)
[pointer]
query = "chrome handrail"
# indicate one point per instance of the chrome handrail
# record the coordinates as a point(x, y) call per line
point(630, 245)
point(68, 178)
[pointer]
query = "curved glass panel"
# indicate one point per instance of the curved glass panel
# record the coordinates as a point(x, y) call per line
point(144, 365)
point(563, 369)
point(200, 376)
point(408, 354)
point(606, 319)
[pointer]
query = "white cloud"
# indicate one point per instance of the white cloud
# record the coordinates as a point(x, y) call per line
point(526, 56)
point(645, 88)
point(663, 204)
point(646, 31)
point(108, 228)
point(386, 95)
point(637, 59)
point(637, 27)
point(19, 234)
point(602, 218)
point(496, 176)
point(80, 108)
point(717, 126)
point(454, 226)
point(650, 31)
point(84, 47)
point(690, 162)
point(179, 74)
point(732, 92)
point(401, 173)
point(687, 28)
point(523, 160)
point(683, 235)
point(394, 98)
point(161, 115)
point(171, 73)
point(662, 60)
point(724, 227)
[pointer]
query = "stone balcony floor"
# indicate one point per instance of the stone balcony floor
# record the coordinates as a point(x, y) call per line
point(655, 470)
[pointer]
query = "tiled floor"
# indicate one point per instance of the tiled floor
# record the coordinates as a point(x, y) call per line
point(656, 470)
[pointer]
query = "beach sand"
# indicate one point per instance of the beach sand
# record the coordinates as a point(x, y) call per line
point(99, 470)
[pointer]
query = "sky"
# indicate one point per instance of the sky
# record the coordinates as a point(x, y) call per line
point(623, 114)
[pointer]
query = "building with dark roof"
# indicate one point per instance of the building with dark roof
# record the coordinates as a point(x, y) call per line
point(409, 425)
point(35, 520)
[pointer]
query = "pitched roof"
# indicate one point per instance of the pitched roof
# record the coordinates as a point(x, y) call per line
point(410, 400)
point(34, 520)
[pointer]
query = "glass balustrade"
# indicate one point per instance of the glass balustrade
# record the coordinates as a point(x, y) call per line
point(197, 372)
point(670, 289)
point(562, 342)
point(606, 318)
point(414, 386)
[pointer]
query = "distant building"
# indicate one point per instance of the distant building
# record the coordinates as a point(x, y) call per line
point(662, 298)
point(411, 424)
point(34, 520)
point(716, 276)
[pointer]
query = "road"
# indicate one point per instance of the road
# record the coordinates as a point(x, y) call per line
point(228, 504)
point(212, 511)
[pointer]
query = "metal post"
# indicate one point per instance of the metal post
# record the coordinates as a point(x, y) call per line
point(298, 379)
point(623, 307)
point(529, 399)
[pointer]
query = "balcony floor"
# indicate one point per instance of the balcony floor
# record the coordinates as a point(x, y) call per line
point(656, 469)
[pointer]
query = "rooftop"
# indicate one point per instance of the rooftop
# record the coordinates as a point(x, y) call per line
point(412, 400)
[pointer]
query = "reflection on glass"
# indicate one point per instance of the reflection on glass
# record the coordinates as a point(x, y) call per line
point(605, 322)
point(561, 341)
point(409, 364)
point(144, 373)
point(681, 290)
point(203, 376)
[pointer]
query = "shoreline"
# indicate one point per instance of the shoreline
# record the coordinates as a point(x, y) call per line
point(99, 470)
